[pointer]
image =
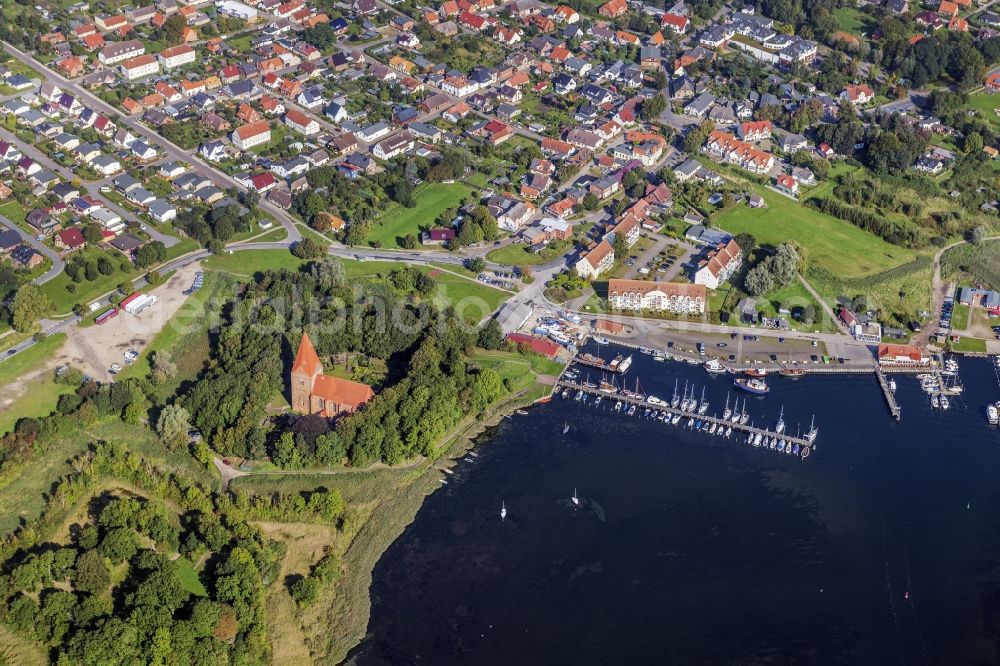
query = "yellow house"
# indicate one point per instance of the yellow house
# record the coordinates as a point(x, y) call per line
point(402, 64)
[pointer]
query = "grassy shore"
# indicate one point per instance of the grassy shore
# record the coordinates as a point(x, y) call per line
point(383, 501)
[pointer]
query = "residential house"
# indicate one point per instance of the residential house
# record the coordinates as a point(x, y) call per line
point(595, 261)
point(719, 264)
point(639, 295)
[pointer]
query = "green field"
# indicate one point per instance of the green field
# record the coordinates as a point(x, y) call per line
point(189, 577)
point(986, 105)
point(15, 212)
point(969, 345)
point(473, 300)
point(839, 247)
point(40, 394)
point(851, 19)
point(57, 289)
point(246, 263)
point(432, 200)
point(517, 254)
point(960, 317)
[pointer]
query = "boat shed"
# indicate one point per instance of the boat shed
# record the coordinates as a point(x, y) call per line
point(536, 344)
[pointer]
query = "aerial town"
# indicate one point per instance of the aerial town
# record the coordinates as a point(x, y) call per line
point(791, 186)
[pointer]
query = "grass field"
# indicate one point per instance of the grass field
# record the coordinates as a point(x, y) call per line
point(15, 212)
point(86, 290)
point(189, 578)
point(517, 254)
point(960, 317)
point(969, 345)
point(986, 105)
point(851, 19)
point(432, 200)
point(471, 299)
point(246, 263)
point(790, 297)
point(841, 248)
point(40, 394)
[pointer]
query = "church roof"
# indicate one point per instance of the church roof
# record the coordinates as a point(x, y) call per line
point(342, 391)
point(306, 359)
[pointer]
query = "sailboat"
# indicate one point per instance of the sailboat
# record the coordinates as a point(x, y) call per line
point(744, 417)
point(576, 500)
point(813, 431)
point(703, 405)
point(503, 511)
point(674, 401)
point(779, 427)
point(565, 427)
point(726, 413)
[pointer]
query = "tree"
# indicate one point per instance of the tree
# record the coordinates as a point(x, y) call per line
point(307, 248)
point(620, 246)
point(173, 425)
point(808, 313)
point(784, 264)
point(163, 366)
point(975, 235)
point(133, 413)
point(305, 590)
point(747, 243)
point(477, 264)
point(91, 573)
point(487, 388)
point(284, 453)
point(591, 202)
point(149, 254)
point(491, 335)
point(652, 107)
point(758, 281)
point(28, 307)
point(173, 28)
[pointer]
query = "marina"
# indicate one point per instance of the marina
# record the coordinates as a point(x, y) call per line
point(689, 413)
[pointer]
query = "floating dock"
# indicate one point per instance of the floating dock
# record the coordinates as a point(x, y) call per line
point(645, 404)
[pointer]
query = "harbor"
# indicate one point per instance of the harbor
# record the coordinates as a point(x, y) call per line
point(691, 413)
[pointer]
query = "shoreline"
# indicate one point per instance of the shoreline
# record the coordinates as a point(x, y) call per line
point(353, 602)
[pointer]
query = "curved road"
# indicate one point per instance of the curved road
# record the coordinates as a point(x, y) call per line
point(28, 239)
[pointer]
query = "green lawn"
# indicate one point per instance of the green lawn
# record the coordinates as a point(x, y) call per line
point(969, 345)
point(839, 247)
point(987, 105)
point(189, 577)
point(15, 212)
point(247, 262)
point(960, 317)
point(57, 289)
point(790, 297)
point(432, 200)
point(851, 19)
point(519, 371)
point(471, 299)
point(517, 254)
point(40, 394)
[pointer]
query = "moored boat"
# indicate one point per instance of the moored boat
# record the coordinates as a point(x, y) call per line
point(714, 367)
point(792, 373)
point(752, 385)
point(993, 414)
point(755, 372)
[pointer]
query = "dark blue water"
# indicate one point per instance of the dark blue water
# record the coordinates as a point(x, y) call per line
point(691, 549)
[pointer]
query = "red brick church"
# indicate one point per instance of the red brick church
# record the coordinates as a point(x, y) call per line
point(316, 393)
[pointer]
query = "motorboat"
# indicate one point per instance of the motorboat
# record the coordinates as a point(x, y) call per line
point(993, 414)
point(752, 385)
point(714, 367)
point(755, 372)
point(601, 341)
point(575, 499)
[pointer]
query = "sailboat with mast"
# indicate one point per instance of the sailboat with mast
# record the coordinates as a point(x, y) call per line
point(503, 510)
point(675, 400)
point(813, 431)
point(703, 405)
point(726, 413)
point(779, 427)
point(575, 499)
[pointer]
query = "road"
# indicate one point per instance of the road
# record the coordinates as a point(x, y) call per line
point(28, 239)
point(939, 291)
point(173, 151)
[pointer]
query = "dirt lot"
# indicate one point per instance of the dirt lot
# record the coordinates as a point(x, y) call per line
point(95, 348)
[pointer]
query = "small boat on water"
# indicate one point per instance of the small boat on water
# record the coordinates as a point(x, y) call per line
point(781, 446)
point(620, 363)
point(993, 414)
point(795, 450)
point(792, 373)
point(443, 482)
point(805, 452)
point(755, 372)
point(711, 429)
point(757, 439)
point(779, 427)
point(601, 341)
point(713, 366)
point(892, 385)
point(675, 419)
point(945, 403)
point(729, 431)
point(703, 405)
point(565, 427)
point(522, 412)
point(697, 424)
point(752, 385)
point(631, 410)
point(813, 431)
point(690, 421)
point(659, 356)
point(503, 510)
point(935, 403)
point(575, 499)
point(447, 471)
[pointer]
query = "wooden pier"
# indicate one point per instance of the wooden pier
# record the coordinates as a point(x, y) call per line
point(890, 397)
point(645, 404)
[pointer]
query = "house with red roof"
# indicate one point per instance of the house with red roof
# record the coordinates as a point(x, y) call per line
point(678, 24)
point(613, 9)
point(70, 239)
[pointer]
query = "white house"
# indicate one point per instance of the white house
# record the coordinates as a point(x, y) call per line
point(637, 295)
point(140, 67)
point(596, 261)
point(176, 56)
point(253, 134)
point(393, 146)
point(719, 264)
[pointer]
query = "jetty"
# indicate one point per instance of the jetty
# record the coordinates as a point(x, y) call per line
point(646, 404)
point(890, 397)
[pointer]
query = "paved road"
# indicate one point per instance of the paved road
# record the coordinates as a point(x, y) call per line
point(175, 152)
point(28, 239)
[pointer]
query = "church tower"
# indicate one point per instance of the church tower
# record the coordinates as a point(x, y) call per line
point(305, 369)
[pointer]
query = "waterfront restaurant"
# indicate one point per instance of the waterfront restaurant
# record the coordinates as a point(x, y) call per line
point(899, 355)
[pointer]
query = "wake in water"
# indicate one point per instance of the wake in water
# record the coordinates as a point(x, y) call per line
point(891, 597)
point(913, 605)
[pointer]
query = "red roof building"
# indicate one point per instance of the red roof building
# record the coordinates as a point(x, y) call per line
point(316, 393)
point(538, 345)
